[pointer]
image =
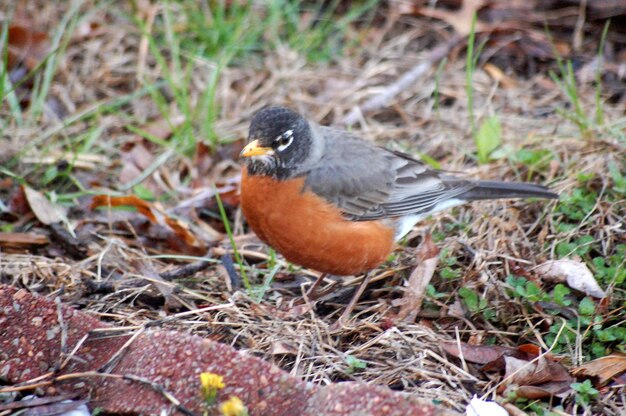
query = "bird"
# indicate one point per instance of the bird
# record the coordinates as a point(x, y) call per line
point(330, 201)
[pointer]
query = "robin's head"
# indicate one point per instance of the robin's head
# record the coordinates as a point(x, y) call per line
point(280, 143)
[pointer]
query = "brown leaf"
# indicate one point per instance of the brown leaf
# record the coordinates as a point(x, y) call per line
point(282, 348)
point(531, 350)
point(480, 354)
point(605, 368)
point(140, 156)
point(427, 261)
point(183, 240)
point(26, 46)
point(182, 230)
point(556, 388)
point(497, 75)
point(549, 376)
point(460, 20)
point(137, 159)
point(128, 173)
point(6, 184)
point(18, 205)
point(163, 128)
point(143, 207)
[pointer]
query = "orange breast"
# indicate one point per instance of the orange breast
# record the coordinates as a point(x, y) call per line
point(309, 231)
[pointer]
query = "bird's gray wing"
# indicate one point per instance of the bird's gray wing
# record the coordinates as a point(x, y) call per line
point(418, 188)
point(368, 182)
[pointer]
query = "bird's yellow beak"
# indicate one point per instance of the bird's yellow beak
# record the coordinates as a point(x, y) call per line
point(253, 149)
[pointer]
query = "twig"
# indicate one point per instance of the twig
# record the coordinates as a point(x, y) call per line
point(72, 355)
point(188, 269)
point(63, 326)
point(72, 376)
point(403, 82)
point(115, 358)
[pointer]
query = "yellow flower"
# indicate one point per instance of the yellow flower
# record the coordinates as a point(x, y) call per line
point(211, 381)
point(234, 407)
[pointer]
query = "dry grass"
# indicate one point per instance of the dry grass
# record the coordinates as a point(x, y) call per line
point(489, 239)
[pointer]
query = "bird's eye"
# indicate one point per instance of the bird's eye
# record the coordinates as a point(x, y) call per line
point(283, 141)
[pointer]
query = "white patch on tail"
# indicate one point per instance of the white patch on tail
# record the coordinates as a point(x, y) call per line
point(406, 223)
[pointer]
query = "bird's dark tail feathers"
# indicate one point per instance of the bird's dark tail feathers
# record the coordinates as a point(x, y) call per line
point(504, 190)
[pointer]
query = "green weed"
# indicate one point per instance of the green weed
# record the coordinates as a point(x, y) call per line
point(585, 392)
point(257, 292)
point(476, 303)
point(595, 334)
point(448, 262)
point(354, 364)
point(488, 138)
point(489, 135)
point(565, 79)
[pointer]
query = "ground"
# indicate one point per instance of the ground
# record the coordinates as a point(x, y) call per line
point(153, 99)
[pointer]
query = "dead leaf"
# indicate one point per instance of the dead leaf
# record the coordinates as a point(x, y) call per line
point(46, 212)
point(456, 309)
point(6, 184)
point(574, 272)
point(145, 267)
point(282, 348)
point(183, 240)
point(605, 368)
point(163, 128)
point(128, 173)
point(143, 207)
point(538, 378)
point(26, 46)
point(18, 205)
point(531, 350)
point(556, 388)
point(89, 30)
point(460, 20)
point(136, 160)
point(479, 354)
point(497, 75)
point(427, 260)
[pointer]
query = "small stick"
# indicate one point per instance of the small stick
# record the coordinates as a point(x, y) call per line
point(188, 269)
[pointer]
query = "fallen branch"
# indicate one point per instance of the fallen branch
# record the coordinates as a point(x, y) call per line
point(404, 82)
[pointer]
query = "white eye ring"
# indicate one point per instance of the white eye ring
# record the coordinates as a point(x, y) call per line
point(286, 135)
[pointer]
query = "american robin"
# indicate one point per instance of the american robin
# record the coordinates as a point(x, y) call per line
point(330, 201)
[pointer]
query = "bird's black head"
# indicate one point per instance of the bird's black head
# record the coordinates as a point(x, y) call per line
point(279, 143)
